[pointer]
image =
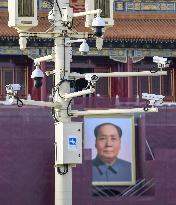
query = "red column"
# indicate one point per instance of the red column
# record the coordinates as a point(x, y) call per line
point(44, 86)
point(30, 82)
point(130, 79)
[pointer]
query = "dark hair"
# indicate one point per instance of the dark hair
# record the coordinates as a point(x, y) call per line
point(97, 128)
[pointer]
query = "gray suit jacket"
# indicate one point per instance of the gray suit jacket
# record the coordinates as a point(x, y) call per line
point(120, 170)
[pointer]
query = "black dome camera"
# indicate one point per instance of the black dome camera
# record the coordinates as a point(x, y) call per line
point(37, 75)
point(98, 24)
point(37, 82)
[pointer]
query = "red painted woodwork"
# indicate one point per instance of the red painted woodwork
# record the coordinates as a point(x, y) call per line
point(44, 83)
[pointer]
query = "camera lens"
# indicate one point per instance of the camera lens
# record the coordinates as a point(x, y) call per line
point(37, 82)
point(98, 32)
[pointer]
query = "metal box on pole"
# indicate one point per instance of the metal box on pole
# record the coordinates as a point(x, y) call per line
point(68, 142)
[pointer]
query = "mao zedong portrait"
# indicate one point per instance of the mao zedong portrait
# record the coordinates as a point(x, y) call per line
point(107, 167)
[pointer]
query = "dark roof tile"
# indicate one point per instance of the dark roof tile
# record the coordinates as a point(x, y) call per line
point(127, 26)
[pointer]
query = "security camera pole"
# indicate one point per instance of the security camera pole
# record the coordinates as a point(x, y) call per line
point(68, 135)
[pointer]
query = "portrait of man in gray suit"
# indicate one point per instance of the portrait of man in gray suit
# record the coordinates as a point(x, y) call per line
point(107, 166)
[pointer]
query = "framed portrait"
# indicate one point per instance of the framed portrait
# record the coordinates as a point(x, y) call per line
point(112, 141)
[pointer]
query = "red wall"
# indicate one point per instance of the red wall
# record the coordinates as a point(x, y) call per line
point(27, 159)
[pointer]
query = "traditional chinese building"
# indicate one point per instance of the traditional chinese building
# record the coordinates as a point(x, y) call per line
point(141, 30)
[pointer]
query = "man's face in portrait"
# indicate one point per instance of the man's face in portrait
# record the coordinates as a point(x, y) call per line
point(108, 143)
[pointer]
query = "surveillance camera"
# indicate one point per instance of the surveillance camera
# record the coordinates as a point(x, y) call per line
point(37, 75)
point(153, 99)
point(84, 48)
point(160, 61)
point(12, 90)
point(13, 87)
point(91, 77)
point(98, 23)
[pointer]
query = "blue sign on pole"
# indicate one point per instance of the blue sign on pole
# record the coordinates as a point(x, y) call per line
point(72, 142)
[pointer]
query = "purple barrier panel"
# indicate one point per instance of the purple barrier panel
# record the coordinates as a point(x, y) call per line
point(164, 154)
point(127, 201)
point(155, 175)
point(149, 169)
point(26, 123)
point(161, 194)
point(26, 157)
point(160, 136)
point(130, 201)
point(143, 200)
point(77, 176)
point(171, 203)
point(171, 189)
point(82, 182)
point(26, 174)
point(171, 173)
point(153, 170)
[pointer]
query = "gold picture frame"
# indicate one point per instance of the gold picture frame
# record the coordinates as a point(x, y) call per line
point(124, 167)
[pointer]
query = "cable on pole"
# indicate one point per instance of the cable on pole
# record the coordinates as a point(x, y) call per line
point(19, 101)
point(65, 171)
point(59, 8)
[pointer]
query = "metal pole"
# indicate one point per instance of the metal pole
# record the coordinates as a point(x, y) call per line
point(63, 183)
point(111, 111)
point(120, 74)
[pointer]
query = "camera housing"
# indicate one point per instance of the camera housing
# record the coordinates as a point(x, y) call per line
point(91, 77)
point(153, 99)
point(11, 90)
point(107, 11)
point(84, 48)
point(160, 61)
point(37, 75)
point(98, 24)
point(13, 87)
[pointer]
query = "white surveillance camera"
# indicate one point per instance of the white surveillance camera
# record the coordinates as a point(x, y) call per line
point(13, 87)
point(98, 24)
point(153, 99)
point(160, 61)
point(84, 48)
point(37, 75)
point(11, 91)
point(107, 12)
point(91, 77)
